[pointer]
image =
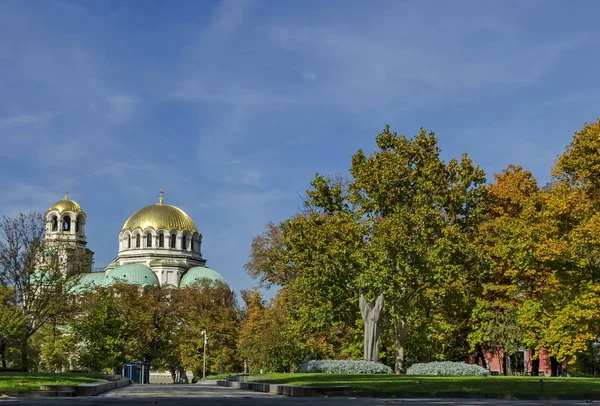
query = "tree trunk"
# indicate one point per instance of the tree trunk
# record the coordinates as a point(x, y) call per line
point(182, 375)
point(535, 365)
point(24, 354)
point(400, 345)
point(3, 353)
point(554, 367)
point(506, 367)
point(479, 356)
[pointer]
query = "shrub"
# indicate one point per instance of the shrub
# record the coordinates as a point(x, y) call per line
point(447, 368)
point(345, 367)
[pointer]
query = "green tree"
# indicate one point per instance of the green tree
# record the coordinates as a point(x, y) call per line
point(101, 332)
point(39, 274)
point(57, 346)
point(12, 323)
point(405, 217)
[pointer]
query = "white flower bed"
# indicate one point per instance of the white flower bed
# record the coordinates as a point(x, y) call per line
point(345, 367)
point(447, 368)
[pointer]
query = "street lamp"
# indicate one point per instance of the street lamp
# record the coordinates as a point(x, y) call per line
point(203, 332)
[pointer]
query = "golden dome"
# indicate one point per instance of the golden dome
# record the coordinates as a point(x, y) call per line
point(66, 205)
point(157, 216)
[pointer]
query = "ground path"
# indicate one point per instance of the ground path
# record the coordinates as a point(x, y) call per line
point(187, 395)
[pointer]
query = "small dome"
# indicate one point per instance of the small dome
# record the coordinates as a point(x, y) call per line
point(196, 274)
point(157, 216)
point(66, 204)
point(89, 281)
point(132, 274)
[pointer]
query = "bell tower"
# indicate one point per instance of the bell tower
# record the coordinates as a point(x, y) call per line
point(65, 229)
point(65, 223)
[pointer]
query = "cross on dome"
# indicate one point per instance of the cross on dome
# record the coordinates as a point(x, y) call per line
point(161, 198)
point(66, 195)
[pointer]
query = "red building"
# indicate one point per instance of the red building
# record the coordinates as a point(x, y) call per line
point(521, 363)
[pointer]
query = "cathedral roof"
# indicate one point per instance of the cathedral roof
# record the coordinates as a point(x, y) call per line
point(197, 274)
point(160, 216)
point(89, 281)
point(66, 204)
point(132, 274)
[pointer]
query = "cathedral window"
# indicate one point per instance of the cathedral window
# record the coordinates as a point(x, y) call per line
point(76, 225)
point(184, 243)
point(161, 240)
point(137, 241)
point(128, 241)
point(192, 244)
point(173, 240)
point(54, 223)
point(66, 223)
point(149, 240)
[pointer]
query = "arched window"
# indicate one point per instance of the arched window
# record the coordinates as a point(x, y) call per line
point(192, 244)
point(128, 241)
point(77, 225)
point(161, 240)
point(66, 223)
point(173, 240)
point(137, 241)
point(54, 223)
point(149, 240)
point(184, 243)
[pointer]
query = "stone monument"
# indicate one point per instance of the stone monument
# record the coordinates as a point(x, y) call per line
point(370, 315)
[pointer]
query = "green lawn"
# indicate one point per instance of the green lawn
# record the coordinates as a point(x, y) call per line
point(24, 381)
point(402, 383)
point(221, 376)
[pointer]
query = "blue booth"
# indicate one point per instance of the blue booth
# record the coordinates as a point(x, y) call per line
point(138, 372)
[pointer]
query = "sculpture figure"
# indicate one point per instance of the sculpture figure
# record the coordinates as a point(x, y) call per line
point(370, 315)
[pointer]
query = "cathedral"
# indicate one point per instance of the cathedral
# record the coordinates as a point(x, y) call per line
point(158, 245)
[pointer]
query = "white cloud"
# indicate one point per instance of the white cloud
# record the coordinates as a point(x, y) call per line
point(229, 15)
point(122, 104)
point(22, 119)
point(309, 74)
point(250, 177)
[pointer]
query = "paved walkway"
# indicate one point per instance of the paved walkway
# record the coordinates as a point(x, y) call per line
point(187, 395)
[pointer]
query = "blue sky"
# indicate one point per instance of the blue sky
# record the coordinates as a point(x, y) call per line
point(231, 107)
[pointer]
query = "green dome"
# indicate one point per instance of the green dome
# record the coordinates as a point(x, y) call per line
point(198, 273)
point(89, 281)
point(132, 274)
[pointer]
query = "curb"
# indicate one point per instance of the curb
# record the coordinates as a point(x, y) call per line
point(84, 389)
point(331, 391)
point(289, 390)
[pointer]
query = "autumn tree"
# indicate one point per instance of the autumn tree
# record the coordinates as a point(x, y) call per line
point(265, 340)
point(573, 204)
point(507, 242)
point(211, 307)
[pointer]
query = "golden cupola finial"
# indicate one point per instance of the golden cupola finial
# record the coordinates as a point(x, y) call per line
point(66, 195)
point(161, 198)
